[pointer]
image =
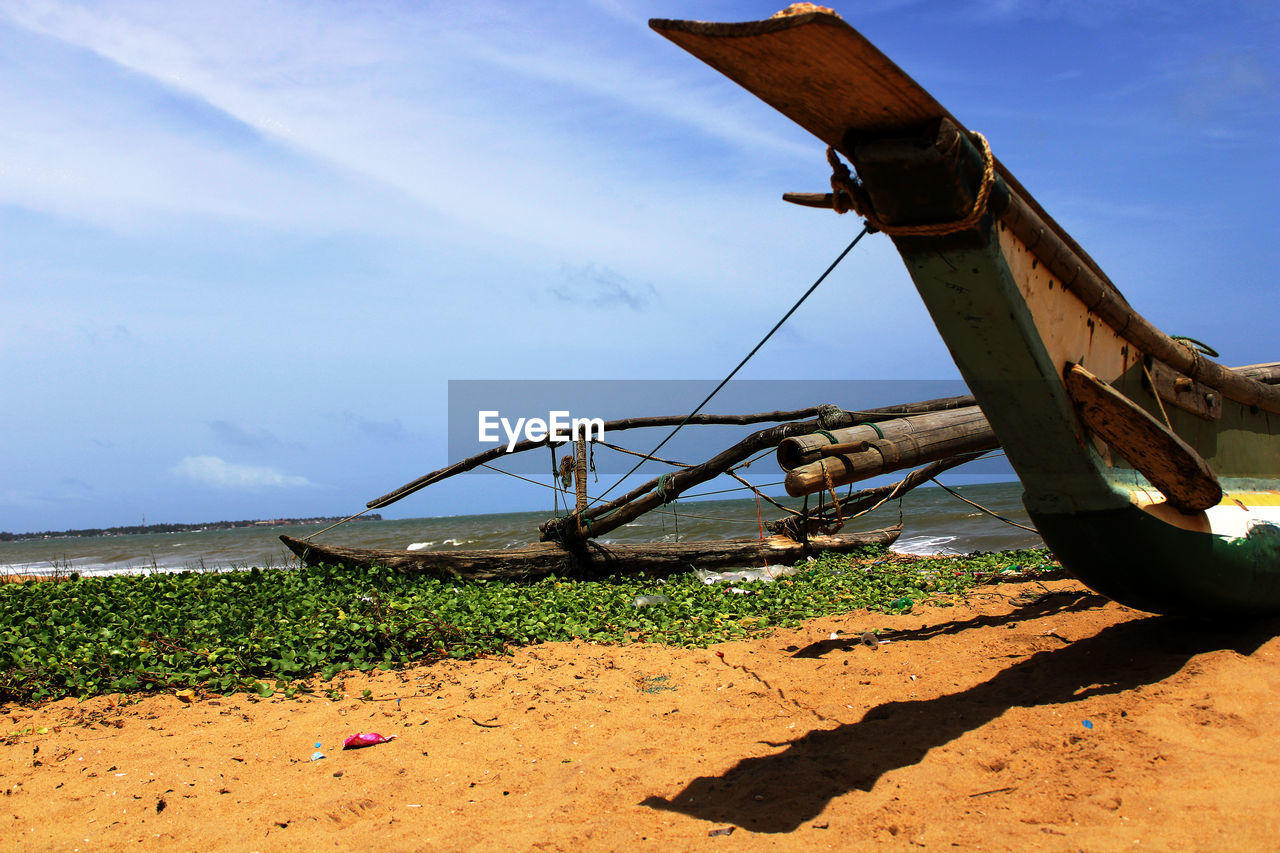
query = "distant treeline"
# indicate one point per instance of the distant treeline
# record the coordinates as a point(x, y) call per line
point(175, 528)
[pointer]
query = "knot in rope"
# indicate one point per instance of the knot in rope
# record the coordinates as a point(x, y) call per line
point(565, 471)
point(842, 181)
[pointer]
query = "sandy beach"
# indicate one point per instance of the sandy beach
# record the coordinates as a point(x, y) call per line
point(1036, 716)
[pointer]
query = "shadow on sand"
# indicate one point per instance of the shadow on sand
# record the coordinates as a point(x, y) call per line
point(824, 764)
point(1045, 604)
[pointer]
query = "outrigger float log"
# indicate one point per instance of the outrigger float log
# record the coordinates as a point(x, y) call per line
point(1151, 471)
point(590, 558)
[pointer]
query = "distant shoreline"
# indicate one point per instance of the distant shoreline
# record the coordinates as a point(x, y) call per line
point(137, 529)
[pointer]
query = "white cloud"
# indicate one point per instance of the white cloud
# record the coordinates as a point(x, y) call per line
point(425, 125)
point(221, 474)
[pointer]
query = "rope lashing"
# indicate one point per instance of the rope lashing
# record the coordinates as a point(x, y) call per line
point(1193, 344)
point(831, 416)
point(846, 192)
point(843, 183)
point(834, 499)
point(1195, 348)
point(663, 489)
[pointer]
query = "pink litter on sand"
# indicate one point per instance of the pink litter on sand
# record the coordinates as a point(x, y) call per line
point(361, 740)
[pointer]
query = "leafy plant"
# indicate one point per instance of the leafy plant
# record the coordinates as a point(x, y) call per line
point(269, 631)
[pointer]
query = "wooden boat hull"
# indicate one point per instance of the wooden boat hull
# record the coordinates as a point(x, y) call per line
point(595, 560)
point(1152, 472)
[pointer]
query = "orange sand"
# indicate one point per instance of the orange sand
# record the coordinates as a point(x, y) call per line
point(967, 730)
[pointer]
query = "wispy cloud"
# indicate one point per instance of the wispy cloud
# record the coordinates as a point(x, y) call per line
point(100, 334)
point(426, 125)
point(216, 472)
point(235, 434)
point(23, 498)
point(602, 288)
point(371, 428)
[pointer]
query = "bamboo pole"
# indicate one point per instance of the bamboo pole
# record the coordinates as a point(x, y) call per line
point(907, 443)
point(805, 449)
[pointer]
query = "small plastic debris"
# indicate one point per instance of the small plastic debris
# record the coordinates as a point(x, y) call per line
point(724, 830)
point(835, 635)
point(363, 740)
point(737, 591)
point(1088, 724)
point(317, 755)
point(651, 600)
point(746, 575)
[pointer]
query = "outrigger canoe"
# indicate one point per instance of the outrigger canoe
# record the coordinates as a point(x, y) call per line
point(1151, 471)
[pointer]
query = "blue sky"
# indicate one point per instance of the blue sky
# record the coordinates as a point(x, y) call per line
point(245, 246)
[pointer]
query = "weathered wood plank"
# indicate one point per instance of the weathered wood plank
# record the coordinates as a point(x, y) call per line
point(1168, 462)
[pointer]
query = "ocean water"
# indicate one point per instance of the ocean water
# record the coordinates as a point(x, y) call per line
point(933, 521)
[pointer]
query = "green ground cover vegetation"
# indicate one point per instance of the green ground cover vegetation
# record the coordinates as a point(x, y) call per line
point(292, 629)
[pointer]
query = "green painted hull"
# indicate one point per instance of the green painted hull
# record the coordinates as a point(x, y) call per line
point(1140, 561)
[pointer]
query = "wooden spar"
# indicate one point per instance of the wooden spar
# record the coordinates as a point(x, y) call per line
point(1102, 297)
point(1026, 223)
point(593, 559)
point(1155, 451)
point(822, 201)
point(1266, 373)
point(904, 443)
point(580, 474)
point(472, 462)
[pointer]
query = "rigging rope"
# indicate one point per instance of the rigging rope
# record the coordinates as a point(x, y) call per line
point(546, 486)
point(983, 508)
point(338, 523)
point(747, 358)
